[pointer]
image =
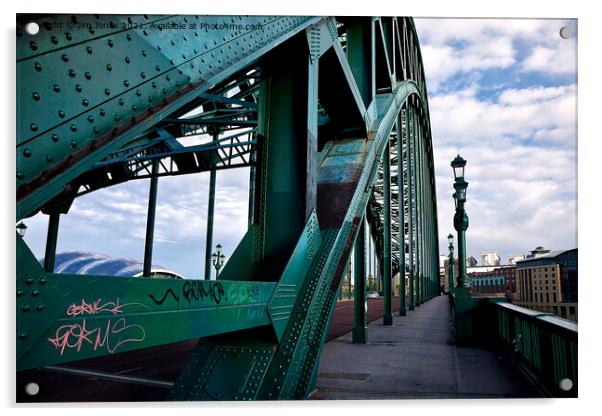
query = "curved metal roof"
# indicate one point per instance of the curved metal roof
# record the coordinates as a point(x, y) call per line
point(89, 263)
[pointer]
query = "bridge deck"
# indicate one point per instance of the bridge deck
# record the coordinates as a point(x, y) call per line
point(415, 358)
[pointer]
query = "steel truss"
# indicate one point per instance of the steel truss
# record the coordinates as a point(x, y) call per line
point(330, 114)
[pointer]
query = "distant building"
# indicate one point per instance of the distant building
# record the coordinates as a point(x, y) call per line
point(499, 280)
point(547, 282)
point(515, 257)
point(490, 258)
point(471, 261)
point(96, 264)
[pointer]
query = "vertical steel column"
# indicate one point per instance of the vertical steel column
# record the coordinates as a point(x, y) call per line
point(150, 220)
point(287, 137)
point(418, 207)
point(51, 238)
point(411, 206)
point(360, 46)
point(210, 211)
point(387, 317)
point(402, 222)
point(360, 328)
point(423, 225)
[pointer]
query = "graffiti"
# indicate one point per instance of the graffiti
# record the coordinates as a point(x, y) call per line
point(110, 335)
point(194, 290)
point(95, 308)
point(167, 292)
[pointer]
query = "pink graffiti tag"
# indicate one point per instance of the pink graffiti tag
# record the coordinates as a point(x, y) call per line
point(110, 335)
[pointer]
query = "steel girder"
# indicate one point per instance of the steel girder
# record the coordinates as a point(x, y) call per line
point(317, 100)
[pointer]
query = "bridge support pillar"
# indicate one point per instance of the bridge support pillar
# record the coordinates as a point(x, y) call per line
point(387, 317)
point(360, 328)
point(150, 221)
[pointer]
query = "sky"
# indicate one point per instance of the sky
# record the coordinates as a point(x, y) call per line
point(502, 93)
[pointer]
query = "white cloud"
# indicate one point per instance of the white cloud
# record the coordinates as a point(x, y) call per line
point(464, 46)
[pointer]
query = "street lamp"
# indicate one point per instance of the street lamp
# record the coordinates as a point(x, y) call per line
point(21, 228)
point(450, 239)
point(460, 217)
point(217, 258)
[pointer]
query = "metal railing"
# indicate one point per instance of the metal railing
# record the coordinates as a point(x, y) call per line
point(545, 344)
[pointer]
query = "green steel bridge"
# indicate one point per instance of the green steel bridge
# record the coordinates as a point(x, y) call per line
point(330, 114)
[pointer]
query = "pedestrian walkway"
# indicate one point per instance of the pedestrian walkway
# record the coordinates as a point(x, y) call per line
point(414, 358)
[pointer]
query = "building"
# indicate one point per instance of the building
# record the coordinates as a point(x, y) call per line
point(490, 258)
point(500, 280)
point(471, 261)
point(512, 259)
point(547, 282)
point(96, 264)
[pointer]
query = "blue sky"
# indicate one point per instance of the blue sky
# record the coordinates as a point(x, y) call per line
point(502, 93)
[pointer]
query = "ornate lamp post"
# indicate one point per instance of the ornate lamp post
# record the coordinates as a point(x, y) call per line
point(450, 239)
point(21, 227)
point(217, 258)
point(460, 217)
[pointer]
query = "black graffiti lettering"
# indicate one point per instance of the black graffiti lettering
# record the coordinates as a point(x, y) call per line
point(194, 291)
point(167, 292)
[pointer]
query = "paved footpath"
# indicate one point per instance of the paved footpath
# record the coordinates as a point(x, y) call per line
point(414, 358)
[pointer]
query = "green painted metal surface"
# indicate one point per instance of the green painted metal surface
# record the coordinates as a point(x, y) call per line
point(320, 101)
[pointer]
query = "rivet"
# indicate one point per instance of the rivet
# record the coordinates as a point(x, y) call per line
point(34, 126)
point(109, 67)
point(154, 84)
point(121, 101)
point(110, 43)
point(85, 102)
point(55, 138)
point(73, 128)
point(79, 88)
point(35, 292)
point(54, 39)
point(72, 73)
point(43, 280)
point(144, 52)
point(91, 119)
point(134, 108)
point(102, 112)
point(56, 88)
point(129, 37)
point(107, 91)
point(39, 307)
point(88, 75)
point(33, 45)
point(73, 144)
point(61, 114)
point(68, 36)
point(29, 281)
point(35, 96)
point(127, 59)
point(23, 335)
point(65, 57)
point(138, 93)
point(126, 83)
point(92, 31)
point(95, 130)
point(25, 308)
point(20, 293)
point(37, 66)
point(20, 175)
point(158, 68)
point(142, 75)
